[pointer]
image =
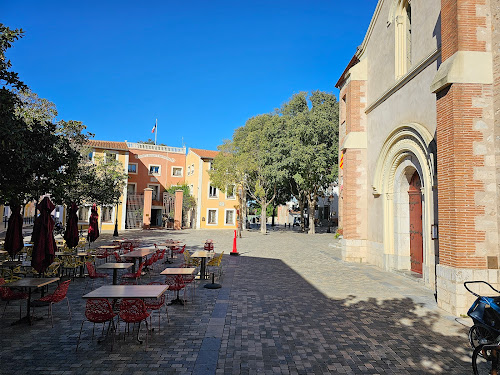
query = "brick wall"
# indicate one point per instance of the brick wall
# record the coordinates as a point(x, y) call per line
point(468, 228)
point(463, 25)
point(456, 181)
point(352, 202)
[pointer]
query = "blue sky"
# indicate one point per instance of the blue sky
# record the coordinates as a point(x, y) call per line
point(201, 67)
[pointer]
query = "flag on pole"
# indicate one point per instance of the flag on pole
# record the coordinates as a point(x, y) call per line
point(154, 129)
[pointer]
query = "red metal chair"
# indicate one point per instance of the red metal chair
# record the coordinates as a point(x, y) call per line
point(134, 275)
point(102, 254)
point(8, 295)
point(176, 283)
point(57, 296)
point(156, 304)
point(93, 274)
point(98, 310)
point(118, 258)
point(209, 245)
point(133, 310)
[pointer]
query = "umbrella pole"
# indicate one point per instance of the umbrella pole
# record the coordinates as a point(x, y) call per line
point(115, 233)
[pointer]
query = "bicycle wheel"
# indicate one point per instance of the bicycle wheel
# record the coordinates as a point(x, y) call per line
point(480, 364)
point(477, 333)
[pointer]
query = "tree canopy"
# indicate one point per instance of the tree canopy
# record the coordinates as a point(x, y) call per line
point(39, 156)
point(289, 152)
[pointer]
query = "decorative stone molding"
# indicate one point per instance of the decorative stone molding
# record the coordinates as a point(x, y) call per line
point(158, 156)
point(354, 140)
point(407, 139)
point(464, 67)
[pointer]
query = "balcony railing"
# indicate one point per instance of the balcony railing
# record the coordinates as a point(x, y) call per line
point(146, 146)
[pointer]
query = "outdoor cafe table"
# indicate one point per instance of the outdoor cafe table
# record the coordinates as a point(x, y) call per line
point(203, 255)
point(30, 283)
point(80, 254)
point(128, 291)
point(186, 271)
point(171, 244)
point(139, 253)
point(115, 267)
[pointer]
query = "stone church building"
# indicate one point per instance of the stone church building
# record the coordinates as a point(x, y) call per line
point(420, 145)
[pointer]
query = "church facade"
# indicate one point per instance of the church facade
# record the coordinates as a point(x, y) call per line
point(420, 145)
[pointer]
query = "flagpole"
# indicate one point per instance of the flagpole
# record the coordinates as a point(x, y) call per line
point(156, 130)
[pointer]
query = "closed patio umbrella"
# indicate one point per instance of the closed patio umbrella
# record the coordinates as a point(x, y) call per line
point(71, 236)
point(14, 241)
point(93, 224)
point(44, 244)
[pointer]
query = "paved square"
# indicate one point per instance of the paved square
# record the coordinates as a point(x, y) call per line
point(288, 305)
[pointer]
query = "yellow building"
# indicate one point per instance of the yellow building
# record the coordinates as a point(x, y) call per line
point(214, 209)
point(107, 214)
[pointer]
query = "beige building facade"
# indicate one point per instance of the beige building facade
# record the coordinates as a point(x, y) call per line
point(419, 187)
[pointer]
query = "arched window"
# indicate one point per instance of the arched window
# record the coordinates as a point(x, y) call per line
point(403, 38)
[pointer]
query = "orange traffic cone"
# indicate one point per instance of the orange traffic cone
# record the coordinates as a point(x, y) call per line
point(235, 250)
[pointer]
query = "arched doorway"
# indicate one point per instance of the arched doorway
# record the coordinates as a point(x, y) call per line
point(416, 236)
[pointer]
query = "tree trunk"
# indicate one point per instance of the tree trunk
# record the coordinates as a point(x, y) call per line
point(244, 208)
point(263, 207)
point(274, 214)
point(311, 213)
point(301, 208)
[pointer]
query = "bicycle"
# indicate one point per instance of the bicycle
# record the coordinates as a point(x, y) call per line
point(485, 359)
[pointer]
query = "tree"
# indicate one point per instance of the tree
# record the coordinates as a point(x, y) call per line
point(251, 160)
point(110, 181)
point(313, 146)
point(37, 155)
point(188, 201)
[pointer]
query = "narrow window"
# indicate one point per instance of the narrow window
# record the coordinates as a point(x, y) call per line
point(132, 168)
point(212, 192)
point(230, 192)
point(154, 170)
point(212, 217)
point(403, 38)
point(230, 217)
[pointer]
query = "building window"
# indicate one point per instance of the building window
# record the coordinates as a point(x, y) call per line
point(230, 192)
point(108, 156)
point(132, 168)
point(91, 155)
point(212, 192)
point(192, 168)
point(403, 38)
point(154, 170)
point(177, 171)
point(230, 215)
point(191, 189)
point(156, 191)
point(107, 214)
point(189, 170)
point(212, 217)
point(131, 190)
point(83, 213)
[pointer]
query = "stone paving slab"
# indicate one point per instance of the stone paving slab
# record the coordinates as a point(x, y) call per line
point(288, 305)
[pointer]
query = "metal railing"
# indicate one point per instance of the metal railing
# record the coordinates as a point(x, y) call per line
point(26, 220)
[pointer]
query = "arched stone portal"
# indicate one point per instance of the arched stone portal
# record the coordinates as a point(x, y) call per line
point(407, 152)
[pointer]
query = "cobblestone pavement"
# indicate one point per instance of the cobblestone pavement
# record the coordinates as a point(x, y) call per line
point(288, 305)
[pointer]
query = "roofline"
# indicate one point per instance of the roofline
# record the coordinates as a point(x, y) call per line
point(362, 48)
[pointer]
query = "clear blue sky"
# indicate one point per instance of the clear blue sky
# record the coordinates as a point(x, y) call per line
point(202, 67)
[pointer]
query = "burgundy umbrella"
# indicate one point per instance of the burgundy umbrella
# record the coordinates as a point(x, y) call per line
point(71, 236)
point(44, 244)
point(93, 224)
point(14, 241)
